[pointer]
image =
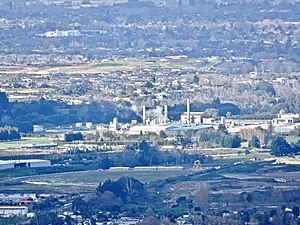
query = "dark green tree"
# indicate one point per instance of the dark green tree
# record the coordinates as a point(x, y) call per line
point(69, 137)
point(296, 147)
point(105, 163)
point(3, 100)
point(222, 129)
point(280, 147)
point(148, 155)
point(196, 79)
point(254, 142)
point(245, 217)
point(126, 188)
point(162, 134)
point(236, 142)
point(295, 211)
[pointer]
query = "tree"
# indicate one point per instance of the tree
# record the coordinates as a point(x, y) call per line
point(266, 88)
point(222, 129)
point(245, 217)
point(196, 79)
point(162, 134)
point(280, 147)
point(105, 163)
point(295, 211)
point(97, 136)
point(69, 137)
point(181, 200)
point(82, 206)
point(235, 141)
point(148, 155)
point(3, 100)
point(8, 133)
point(47, 218)
point(254, 142)
point(202, 193)
point(296, 147)
point(126, 188)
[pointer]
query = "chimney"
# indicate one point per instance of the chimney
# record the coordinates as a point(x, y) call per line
point(166, 113)
point(188, 112)
point(144, 114)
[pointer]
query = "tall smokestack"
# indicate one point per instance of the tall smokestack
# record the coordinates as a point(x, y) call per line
point(144, 114)
point(188, 112)
point(166, 113)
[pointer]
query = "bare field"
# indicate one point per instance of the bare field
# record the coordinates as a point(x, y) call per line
point(96, 67)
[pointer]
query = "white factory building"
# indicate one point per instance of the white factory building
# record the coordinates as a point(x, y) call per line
point(38, 128)
point(286, 118)
point(9, 164)
point(142, 129)
point(189, 121)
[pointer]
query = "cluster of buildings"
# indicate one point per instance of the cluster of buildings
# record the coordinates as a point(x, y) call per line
point(157, 121)
point(161, 123)
point(13, 204)
point(284, 124)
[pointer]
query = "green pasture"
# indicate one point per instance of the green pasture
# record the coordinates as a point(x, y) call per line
point(80, 181)
point(292, 139)
point(23, 141)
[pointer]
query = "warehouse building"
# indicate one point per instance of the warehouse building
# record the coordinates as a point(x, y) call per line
point(9, 164)
point(13, 210)
point(6, 165)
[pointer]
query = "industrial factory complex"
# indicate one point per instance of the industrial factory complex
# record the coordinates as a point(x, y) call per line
point(188, 121)
point(157, 120)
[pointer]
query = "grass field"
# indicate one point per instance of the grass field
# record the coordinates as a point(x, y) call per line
point(9, 221)
point(93, 178)
point(97, 67)
point(80, 181)
point(292, 139)
point(23, 141)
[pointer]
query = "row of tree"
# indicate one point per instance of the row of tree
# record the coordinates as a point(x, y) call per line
point(280, 147)
point(8, 133)
point(220, 138)
point(111, 196)
point(69, 137)
point(25, 114)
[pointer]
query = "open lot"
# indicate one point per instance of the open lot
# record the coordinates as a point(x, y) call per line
point(80, 181)
point(99, 66)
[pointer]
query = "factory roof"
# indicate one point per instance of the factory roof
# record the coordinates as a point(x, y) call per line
point(22, 161)
point(184, 127)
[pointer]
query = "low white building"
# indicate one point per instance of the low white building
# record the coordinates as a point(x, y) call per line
point(9, 164)
point(286, 118)
point(38, 128)
point(142, 129)
point(89, 125)
point(13, 210)
point(78, 125)
point(32, 163)
point(6, 165)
